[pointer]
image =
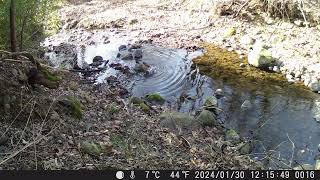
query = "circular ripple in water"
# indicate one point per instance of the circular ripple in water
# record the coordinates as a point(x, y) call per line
point(170, 73)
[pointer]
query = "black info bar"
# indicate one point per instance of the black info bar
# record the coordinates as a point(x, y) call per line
point(161, 174)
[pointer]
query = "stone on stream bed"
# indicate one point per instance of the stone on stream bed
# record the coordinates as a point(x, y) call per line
point(232, 136)
point(259, 56)
point(207, 118)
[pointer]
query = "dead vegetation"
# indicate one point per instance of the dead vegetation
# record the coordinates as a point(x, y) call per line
point(306, 10)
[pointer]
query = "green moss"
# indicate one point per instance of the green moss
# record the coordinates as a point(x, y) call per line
point(225, 66)
point(76, 110)
point(155, 97)
point(48, 75)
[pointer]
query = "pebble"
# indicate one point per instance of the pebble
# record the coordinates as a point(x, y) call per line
point(242, 65)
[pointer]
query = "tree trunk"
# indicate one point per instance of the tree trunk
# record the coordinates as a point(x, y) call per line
point(24, 21)
point(13, 34)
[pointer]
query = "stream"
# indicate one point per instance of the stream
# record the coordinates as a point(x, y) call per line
point(281, 121)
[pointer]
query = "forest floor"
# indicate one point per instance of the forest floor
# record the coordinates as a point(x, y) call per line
point(186, 23)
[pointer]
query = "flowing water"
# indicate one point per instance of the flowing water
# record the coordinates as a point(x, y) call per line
point(281, 120)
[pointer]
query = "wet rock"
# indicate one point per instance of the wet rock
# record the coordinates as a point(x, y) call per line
point(122, 47)
point(207, 118)
point(174, 120)
point(95, 149)
point(97, 59)
point(304, 167)
point(155, 97)
point(232, 136)
point(211, 101)
point(259, 56)
point(137, 54)
point(246, 105)
point(219, 93)
point(230, 32)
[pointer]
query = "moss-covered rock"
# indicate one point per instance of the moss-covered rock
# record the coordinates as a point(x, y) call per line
point(211, 101)
point(155, 97)
point(232, 136)
point(207, 118)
